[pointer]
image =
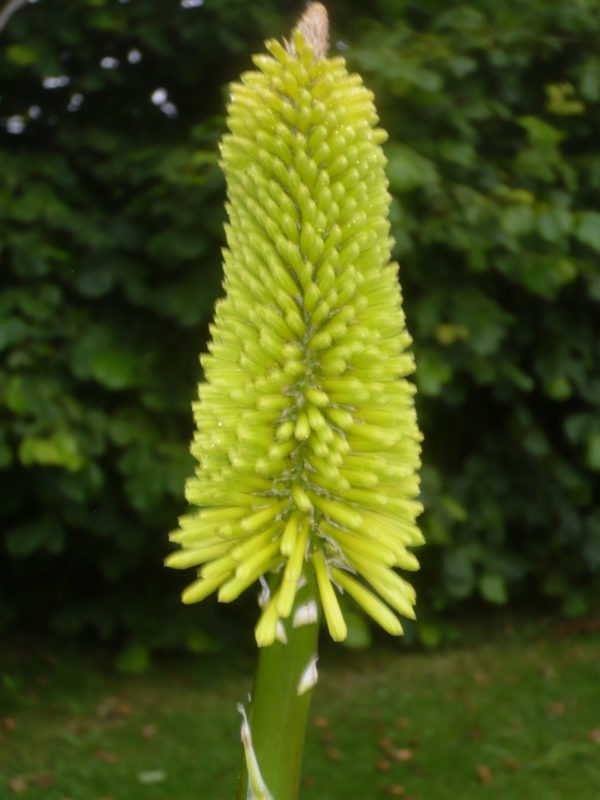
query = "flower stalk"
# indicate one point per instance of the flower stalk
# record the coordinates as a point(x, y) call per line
point(280, 700)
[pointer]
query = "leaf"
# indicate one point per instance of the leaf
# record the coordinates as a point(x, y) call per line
point(133, 660)
point(556, 585)
point(589, 79)
point(430, 635)
point(517, 220)
point(95, 281)
point(101, 356)
point(462, 65)
point(28, 262)
point(459, 575)
point(115, 369)
point(447, 334)
point(540, 132)
point(423, 78)
point(408, 170)
point(60, 449)
point(594, 287)
point(574, 605)
point(45, 533)
point(554, 223)
point(579, 426)
point(20, 55)
point(12, 330)
point(592, 455)
point(14, 395)
point(484, 773)
point(486, 321)
point(588, 229)
point(562, 99)
point(493, 589)
point(453, 508)
point(6, 455)
point(463, 18)
point(433, 371)
point(591, 544)
point(518, 377)
point(197, 641)
point(558, 387)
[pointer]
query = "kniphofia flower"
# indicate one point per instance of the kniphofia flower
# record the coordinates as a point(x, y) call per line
point(307, 440)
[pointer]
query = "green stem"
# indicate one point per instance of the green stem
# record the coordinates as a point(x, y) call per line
point(278, 714)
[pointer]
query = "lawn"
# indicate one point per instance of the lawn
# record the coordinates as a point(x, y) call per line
point(515, 715)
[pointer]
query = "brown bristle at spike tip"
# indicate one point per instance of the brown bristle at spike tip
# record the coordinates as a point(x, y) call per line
point(314, 26)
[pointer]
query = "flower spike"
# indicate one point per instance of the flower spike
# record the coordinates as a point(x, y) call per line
point(306, 432)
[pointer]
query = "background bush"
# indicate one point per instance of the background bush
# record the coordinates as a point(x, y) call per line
point(111, 224)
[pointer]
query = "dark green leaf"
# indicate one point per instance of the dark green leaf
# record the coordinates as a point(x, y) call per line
point(493, 589)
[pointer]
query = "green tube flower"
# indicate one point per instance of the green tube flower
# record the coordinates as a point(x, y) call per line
point(307, 438)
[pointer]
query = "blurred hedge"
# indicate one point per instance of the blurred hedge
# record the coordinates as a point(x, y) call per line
point(111, 222)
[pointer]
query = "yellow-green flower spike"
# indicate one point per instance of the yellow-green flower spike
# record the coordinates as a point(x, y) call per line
point(307, 438)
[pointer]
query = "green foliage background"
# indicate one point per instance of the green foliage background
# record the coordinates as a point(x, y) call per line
point(111, 220)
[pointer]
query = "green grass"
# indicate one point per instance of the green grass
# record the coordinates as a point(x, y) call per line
point(515, 717)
